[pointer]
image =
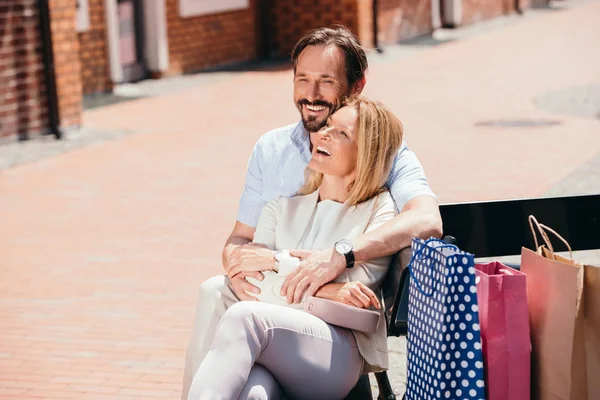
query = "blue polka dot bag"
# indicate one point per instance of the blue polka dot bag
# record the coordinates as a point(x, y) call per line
point(445, 359)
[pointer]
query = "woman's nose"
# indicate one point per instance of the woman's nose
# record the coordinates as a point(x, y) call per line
point(324, 135)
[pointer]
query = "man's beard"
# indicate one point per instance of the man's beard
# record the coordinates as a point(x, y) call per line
point(312, 123)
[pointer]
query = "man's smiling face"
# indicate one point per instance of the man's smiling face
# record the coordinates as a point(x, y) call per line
point(320, 83)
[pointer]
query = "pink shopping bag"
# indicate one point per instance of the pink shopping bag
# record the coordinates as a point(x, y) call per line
point(503, 315)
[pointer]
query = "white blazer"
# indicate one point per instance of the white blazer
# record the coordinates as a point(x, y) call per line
point(303, 222)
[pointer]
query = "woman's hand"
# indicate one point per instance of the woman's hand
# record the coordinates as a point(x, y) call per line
point(250, 257)
point(352, 293)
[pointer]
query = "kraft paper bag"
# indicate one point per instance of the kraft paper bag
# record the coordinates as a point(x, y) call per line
point(592, 328)
point(563, 321)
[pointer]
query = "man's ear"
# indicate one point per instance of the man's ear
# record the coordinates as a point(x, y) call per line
point(359, 85)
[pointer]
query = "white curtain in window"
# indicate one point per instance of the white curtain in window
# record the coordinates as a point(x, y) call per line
point(190, 8)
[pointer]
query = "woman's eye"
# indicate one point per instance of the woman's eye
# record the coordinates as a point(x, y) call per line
point(343, 133)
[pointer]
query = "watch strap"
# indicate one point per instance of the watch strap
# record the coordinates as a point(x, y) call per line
point(349, 259)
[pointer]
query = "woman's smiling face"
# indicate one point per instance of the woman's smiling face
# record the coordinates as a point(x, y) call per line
point(335, 148)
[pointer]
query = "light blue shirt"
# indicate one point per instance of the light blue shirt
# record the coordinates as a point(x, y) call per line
point(277, 164)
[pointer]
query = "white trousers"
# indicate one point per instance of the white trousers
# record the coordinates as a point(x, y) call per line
point(256, 350)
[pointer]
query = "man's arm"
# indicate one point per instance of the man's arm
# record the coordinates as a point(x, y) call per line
point(242, 234)
point(420, 218)
point(238, 250)
point(241, 255)
point(419, 211)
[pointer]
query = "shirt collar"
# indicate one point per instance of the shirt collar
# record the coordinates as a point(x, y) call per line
point(301, 139)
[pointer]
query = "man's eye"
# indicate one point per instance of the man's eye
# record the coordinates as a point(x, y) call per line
point(343, 133)
point(328, 82)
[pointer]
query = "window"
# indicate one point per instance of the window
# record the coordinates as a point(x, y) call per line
point(190, 8)
point(82, 16)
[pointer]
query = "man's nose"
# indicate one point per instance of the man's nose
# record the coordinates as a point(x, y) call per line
point(313, 92)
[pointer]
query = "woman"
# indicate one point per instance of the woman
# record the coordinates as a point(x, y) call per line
point(259, 347)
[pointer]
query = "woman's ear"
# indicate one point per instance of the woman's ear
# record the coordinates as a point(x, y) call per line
point(359, 86)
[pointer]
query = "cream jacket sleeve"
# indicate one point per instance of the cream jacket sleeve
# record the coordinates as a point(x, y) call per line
point(265, 234)
point(267, 222)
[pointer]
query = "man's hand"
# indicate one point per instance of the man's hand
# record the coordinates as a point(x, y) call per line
point(250, 257)
point(316, 269)
point(240, 285)
point(351, 293)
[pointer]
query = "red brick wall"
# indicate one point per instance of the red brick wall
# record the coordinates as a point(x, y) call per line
point(478, 10)
point(93, 52)
point(66, 61)
point(397, 20)
point(22, 93)
point(365, 22)
point(209, 40)
point(290, 20)
point(403, 19)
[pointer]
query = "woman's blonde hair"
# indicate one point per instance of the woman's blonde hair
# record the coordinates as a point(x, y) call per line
point(379, 137)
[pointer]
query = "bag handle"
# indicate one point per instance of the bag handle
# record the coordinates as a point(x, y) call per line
point(441, 245)
point(543, 229)
point(533, 221)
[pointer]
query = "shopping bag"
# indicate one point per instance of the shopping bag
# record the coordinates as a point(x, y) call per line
point(444, 342)
point(592, 328)
point(564, 322)
point(503, 316)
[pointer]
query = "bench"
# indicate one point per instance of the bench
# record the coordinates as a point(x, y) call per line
point(487, 229)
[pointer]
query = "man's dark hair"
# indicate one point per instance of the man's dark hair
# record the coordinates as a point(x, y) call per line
point(342, 38)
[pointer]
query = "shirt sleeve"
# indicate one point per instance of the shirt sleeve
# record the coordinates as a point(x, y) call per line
point(267, 223)
point(251, 202)
point(407, 179)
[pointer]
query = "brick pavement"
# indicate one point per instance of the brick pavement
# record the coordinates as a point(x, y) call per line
point(102, 248)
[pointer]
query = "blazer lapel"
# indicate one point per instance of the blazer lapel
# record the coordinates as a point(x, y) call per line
point(298, 216)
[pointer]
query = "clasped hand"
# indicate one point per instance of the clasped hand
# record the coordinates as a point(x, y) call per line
point(248, 260)
point(316, 269)
point(250, 257)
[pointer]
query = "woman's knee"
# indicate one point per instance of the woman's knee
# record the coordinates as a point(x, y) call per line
point(242, 310)
point(243, 313)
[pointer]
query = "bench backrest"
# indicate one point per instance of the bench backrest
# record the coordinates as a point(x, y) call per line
point(501, 228)
point(497, 228)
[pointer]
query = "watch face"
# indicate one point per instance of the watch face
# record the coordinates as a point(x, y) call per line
point(343, 246)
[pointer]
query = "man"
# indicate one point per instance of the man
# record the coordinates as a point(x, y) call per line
point(329, 64)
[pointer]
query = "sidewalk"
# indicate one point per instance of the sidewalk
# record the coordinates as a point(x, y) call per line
point(103, 247)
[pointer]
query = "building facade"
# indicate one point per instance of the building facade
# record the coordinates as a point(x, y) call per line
point(99, 43)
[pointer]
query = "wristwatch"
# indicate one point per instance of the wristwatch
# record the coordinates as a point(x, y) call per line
point(345, 248)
